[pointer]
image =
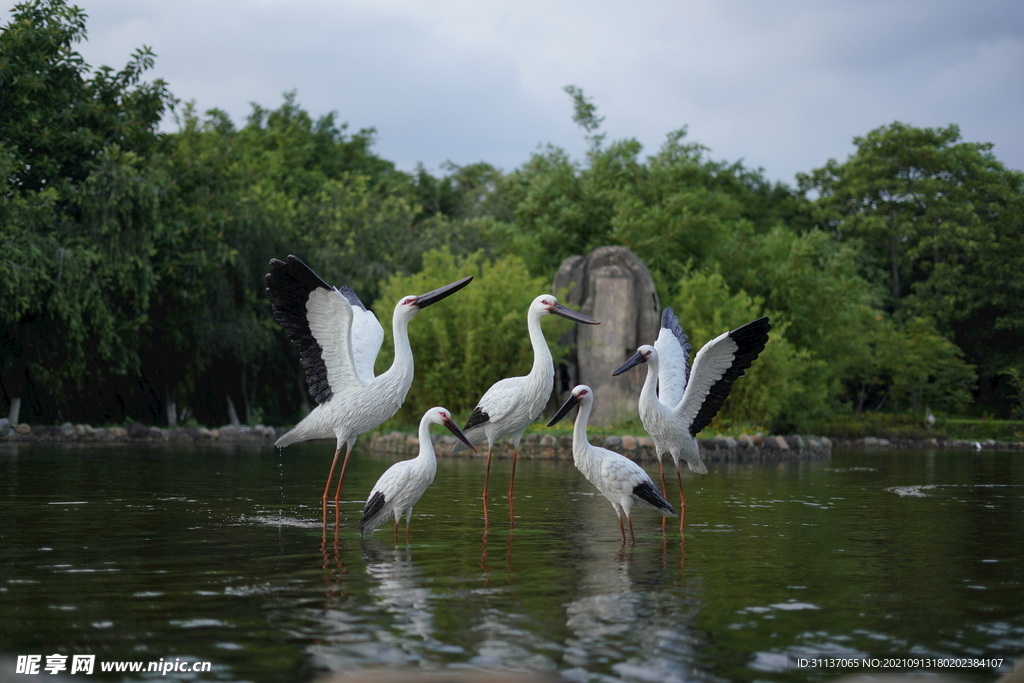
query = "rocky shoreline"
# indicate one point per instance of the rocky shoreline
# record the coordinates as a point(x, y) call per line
point(134, 432)
point(745, 448)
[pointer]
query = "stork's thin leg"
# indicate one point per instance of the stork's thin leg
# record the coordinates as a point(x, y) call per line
point(631, 535)
point(396, 531)
point(327, 487)
point(341, 479)
point(512, 488)
point(487, 476)
point(682, 500)
point(622, 531)
point(664, 490)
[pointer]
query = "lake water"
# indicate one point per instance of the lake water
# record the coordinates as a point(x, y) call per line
point(217, 554)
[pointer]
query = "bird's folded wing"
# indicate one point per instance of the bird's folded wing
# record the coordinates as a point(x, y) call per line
point(673, 349)
point(500, 401)
point(367, 336)
point(330, 321)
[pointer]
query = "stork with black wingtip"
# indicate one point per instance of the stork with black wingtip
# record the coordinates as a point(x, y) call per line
point(403, 484)
point(622, 481)
point(338, 339)
point(513, 403)
point(677, 402)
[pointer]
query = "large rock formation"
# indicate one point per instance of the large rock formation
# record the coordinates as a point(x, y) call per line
point(614, 286)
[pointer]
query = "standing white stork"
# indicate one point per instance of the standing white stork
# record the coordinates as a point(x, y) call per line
point(514, 402)
point(338, 339)
point(402, 485)
point(622, 481)
point(675, 403)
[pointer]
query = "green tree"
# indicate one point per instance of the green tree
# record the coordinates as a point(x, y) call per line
point(940, 226)
point(82, 193)
point(472, 340)
point(785, 388)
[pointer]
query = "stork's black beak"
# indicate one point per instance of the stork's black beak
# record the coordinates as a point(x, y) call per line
point(569, 314)
point(634, 360)
point(564, 410)
point(454, 428)
point(424, 300)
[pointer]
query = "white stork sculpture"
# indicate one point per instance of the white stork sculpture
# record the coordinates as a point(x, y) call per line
point(621, 480)
point(514, 402)
point(675, 403)
point(403, 484)
point(338, 339)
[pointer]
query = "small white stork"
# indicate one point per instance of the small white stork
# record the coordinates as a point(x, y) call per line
point(622, 481)
point(675, 403)
point(403, 484)
point(338, 339)
point(514, 402)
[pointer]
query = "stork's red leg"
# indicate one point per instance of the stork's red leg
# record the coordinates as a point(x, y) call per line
point(631, 535)
point(327, 487)
point(341, 479)
point(664, 490)
point(682, 500)
point(622, 531)
point(487, 476)
point(512, 488)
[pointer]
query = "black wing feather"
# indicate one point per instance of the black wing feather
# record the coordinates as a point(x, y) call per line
point(646, 492)
point(373, 506)
point(289, 284)
point(352, 298)
point(478, 417)
point(750, 340)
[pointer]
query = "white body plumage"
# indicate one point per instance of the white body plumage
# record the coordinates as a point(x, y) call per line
point(675, 402)
point(338, 340)
point(403, 484)
point(623, 482)
point(511, 404)
point(360, 401)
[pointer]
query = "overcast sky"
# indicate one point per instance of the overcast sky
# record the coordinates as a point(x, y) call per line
point(783, 85)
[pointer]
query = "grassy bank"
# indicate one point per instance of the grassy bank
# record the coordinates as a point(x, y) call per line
point(889, 426)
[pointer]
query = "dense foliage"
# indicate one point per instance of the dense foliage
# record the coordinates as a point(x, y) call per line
point(132, 265)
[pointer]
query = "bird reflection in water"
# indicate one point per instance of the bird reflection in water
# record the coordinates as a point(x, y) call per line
point(399, 588)
point(508, 558)
point(334, 569)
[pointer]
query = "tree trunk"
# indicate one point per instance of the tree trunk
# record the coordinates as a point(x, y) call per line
point(170, 407)
point(12, 416)
point(895, 269)
point(232, 413)
point(303, 394)
point(15, 385)
point(246, 404)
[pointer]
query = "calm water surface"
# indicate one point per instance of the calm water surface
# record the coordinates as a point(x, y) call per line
point(216, 553)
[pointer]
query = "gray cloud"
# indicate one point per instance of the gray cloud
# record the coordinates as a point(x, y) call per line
point(783, 85)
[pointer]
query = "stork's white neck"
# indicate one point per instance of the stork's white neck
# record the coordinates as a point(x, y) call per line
point(426, 445)
point(649, 392)
point(402, 368)
point(543, 365)
point(580, 442)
